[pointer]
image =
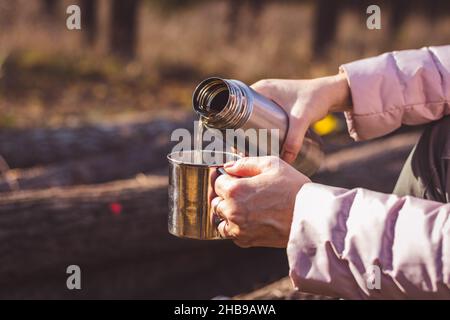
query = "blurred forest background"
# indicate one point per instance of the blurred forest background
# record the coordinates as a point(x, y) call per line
point(86, 115)
point(135, 58)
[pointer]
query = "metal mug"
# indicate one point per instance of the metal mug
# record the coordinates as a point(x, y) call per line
point(191, 189)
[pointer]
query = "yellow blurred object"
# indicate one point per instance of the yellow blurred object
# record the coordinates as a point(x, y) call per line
point(327, 125)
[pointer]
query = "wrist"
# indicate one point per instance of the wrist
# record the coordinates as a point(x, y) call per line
point(341, 97)
point(304, 181)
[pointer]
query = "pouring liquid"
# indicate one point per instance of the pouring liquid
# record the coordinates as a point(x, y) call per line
point(198, 143)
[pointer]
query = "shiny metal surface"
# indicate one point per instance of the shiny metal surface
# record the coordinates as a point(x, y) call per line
point(191, 185)
point(231, 104)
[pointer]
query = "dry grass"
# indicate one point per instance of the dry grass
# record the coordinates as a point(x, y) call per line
point(50, 78)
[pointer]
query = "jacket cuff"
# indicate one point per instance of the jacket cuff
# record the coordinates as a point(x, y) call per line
point(374, 86)
point(401, 87)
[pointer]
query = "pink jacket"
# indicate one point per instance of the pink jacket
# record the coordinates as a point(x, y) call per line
point(342, 239)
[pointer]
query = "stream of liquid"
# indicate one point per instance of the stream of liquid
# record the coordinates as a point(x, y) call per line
point(198, 143)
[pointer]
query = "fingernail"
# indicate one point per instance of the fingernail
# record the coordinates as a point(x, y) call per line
point(229, 164)
point(289, 157)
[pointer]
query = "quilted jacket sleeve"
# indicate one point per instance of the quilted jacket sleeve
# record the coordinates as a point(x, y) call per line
point(360, 244)
point(401, 87)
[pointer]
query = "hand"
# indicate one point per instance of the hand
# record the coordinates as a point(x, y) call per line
point(257, 207)
point(305, 101)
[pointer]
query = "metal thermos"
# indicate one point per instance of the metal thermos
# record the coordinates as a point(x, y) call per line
point(230, 104)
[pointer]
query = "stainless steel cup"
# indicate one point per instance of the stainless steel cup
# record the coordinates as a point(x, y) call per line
point(191, 180)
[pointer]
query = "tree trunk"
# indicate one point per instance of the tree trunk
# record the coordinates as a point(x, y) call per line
point(51, 7)
point(234, 16)
point(234, 10)
point(123, 28)
point(325, 25)
point(89, 20)
point(400, 9)
point(8, 14)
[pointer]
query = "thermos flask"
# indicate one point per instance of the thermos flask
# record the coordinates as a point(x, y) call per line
point(230, 104)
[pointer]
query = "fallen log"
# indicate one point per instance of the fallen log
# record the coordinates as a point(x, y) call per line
point(32, 147)
point(151, 157)
point(117, 234)
point(374, 165)
point(39, 218)
point(119, 165)
point(279, 290)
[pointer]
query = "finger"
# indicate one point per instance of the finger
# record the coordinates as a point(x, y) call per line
point(215, 203)
point(294, 139)
point(225, 230)
point(265, 87)
point(215, 213)
point(243, 243)
point(247, 167)
point(216, 216)
point(236, 151)
point(223, 185)
point(215, 207)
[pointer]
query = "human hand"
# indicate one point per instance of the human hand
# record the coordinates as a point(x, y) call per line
point(257, 207)
point(305, 101)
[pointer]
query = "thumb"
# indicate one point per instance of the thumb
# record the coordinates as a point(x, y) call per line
point(266, 88)
point(246, 167)
point(294, 140)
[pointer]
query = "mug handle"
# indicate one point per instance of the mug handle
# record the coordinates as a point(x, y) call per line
point(217, 219)
point(221, 171)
